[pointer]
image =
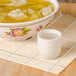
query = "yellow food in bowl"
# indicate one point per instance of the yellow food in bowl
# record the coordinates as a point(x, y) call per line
point(24, 11)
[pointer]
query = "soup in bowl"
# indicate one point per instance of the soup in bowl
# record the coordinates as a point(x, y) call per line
point(21, 19)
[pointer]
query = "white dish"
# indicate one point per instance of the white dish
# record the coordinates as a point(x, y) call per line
point(10, 30)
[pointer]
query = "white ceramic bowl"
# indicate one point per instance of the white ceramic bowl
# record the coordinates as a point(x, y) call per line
point(26, 30)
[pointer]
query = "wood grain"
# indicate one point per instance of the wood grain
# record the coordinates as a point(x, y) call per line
point(68, 8)
point(8, 68)
point(70, 70)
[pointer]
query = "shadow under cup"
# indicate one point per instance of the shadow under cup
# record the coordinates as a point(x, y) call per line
point(49, 43)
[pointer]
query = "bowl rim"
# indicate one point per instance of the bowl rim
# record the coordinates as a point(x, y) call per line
point(21, 24)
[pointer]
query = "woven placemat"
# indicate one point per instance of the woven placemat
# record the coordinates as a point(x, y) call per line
point(26, 52)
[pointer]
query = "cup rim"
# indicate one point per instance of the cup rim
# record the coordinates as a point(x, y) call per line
point(59, 36)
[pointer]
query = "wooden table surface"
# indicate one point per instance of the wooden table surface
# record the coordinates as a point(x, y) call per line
point(67, 25)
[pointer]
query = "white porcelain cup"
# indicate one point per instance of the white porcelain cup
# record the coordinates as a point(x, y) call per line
point(49, 43)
